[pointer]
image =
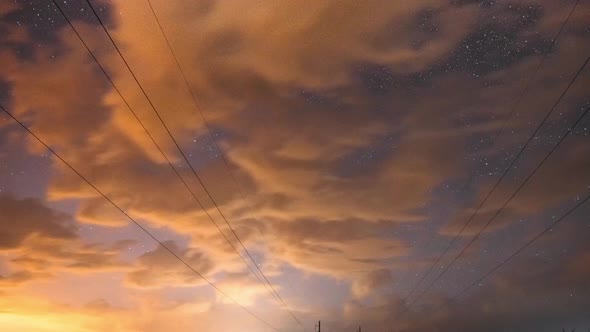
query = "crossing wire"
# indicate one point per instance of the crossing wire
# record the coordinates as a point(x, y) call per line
point(224, 159)
point(266, 282)
point(494, 140)
point(145, 230)
point(569, 130)
point(515, 253)
point(194, 172)
point(151, 137)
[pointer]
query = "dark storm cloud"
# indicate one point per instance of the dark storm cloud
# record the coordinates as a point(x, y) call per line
point(543, 289)
point(4, 90)
point(22, 218)
point(553, 283)
point(40, 242)
point(561, 177)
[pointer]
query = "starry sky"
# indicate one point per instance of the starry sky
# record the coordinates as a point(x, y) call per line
point(263, 165)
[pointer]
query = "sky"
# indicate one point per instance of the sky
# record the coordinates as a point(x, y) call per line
point(263, 165)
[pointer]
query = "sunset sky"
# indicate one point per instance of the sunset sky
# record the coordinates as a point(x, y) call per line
point(389, 164)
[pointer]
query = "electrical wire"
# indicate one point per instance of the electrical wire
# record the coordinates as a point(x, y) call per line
point(494, 140)
point(273, 291)
point(569, 130)
point(152, 139)
point(531, 241)
point(163, 245)
point(515, 253)
point(225, 161)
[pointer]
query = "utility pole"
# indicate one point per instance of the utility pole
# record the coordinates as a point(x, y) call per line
point(319, 326)
point(359, 328)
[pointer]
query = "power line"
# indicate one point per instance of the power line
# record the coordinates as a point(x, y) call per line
point(528, 243)
point(153, 140)
point(166, 128)
point(208, 127)
point(494, 140)
point(522, 184)
point(134, 221)
point(188, 162)
point(518, 251)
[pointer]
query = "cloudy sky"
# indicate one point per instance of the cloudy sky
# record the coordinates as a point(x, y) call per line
point(284, 162)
